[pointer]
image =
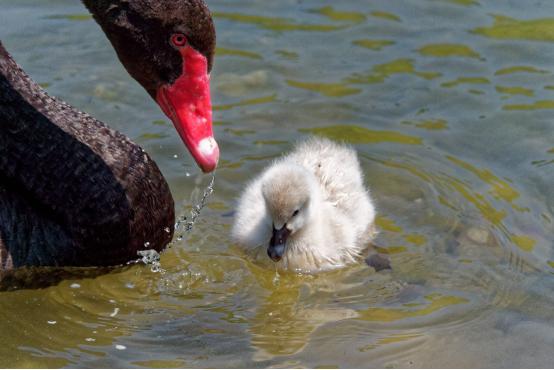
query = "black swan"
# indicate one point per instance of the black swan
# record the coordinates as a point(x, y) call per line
point(74, 192)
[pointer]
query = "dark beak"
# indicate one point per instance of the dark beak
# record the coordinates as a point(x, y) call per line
point(278, 243)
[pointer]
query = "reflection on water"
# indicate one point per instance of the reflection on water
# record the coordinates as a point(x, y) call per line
point(448, 50)
point(359, 135)
point(514, 29)
point(448, 103)
point(274, 23)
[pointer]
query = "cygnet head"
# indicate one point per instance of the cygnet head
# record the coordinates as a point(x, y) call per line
point(289, 192)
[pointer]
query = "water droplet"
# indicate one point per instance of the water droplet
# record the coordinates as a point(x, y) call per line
point(151, 257)
point(276, 279)
point(115, 312)
point(195, 212)
point(120, 347)
point(52, 322)
point(147, 244)
point(175, 156)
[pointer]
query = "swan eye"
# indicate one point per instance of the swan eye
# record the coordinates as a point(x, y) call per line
point(295, 213)
point(178, 40)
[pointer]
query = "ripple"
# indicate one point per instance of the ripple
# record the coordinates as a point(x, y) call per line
point(387, 224)
point(515, 90)
point(538, 105)
point(466, 81)
point(463, 2)
point(514, 29)
point(448, 50)
point(385, 15)
point(429, 124)
point(275, 23)
point(434, 303)
point(373, 44)
point(153, 136)
point(246, 102)
point(524, 242)
point(219, 51)
point(500, 189)
point(340, 16)
point(328, 89)
point(391, 339)
point(519, 69)
point(72, 17)
point(360, 135)
point(381, 72)
point(287, 54)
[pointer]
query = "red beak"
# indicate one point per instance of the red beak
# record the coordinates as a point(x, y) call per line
point(187, 103)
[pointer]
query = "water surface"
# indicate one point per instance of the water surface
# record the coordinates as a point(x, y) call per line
point(450, 105)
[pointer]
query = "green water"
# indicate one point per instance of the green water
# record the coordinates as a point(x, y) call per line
point(450, 105)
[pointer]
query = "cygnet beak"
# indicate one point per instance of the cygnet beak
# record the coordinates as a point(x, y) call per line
point(278, 243)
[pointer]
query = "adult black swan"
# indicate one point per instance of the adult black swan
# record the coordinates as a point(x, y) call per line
point(74, 192)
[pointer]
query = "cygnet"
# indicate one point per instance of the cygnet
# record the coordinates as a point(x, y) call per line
point(310, 209)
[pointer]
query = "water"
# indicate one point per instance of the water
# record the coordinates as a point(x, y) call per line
point(449, 104)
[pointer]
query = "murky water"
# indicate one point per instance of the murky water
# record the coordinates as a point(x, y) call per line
point(451, 107)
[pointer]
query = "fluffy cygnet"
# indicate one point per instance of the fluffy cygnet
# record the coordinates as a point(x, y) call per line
point(309, 209)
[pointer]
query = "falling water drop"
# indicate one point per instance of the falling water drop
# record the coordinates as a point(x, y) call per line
point(276, 279)
point(195, 212)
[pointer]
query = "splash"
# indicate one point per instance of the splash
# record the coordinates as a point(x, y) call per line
point(152, 258)
point(276, 281)
point(187, 223)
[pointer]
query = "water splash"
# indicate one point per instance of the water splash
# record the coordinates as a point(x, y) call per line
point(152, 258)
point(277, 278)
point(187, 223)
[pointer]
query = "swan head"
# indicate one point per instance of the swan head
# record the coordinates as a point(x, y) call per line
point(289, 192)
point(168, 47)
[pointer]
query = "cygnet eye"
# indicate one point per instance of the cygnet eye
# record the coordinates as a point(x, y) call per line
point(295, 212)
